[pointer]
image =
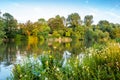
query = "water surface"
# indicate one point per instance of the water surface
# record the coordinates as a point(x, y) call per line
point(12, 52)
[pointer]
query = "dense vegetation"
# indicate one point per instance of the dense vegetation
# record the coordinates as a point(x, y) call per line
point(101, 63)
point(58, 27)
point(100, 60)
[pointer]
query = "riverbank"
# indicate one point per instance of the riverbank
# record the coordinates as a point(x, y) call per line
point(102, 63)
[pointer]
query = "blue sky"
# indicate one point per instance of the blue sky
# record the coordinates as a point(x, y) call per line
point(24, 10)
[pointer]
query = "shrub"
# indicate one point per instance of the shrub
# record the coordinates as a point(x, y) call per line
point(118, 40)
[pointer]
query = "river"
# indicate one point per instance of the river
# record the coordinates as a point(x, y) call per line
point(10, 53)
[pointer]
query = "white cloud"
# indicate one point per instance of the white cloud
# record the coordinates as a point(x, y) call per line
point(24, 12)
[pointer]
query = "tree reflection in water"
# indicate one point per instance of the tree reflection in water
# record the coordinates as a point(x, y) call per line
point(13, 52)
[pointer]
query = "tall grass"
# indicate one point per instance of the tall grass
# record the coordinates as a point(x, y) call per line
point(96, 64)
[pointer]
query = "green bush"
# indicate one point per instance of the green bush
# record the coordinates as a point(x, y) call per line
point(18, 37)
point(56, 34)
point(117, 40)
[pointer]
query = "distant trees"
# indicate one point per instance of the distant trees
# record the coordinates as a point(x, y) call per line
point(74, 20)
point(56, 23)
point(2, 33)
point(41, 28)
point(58, 26)
point(10, 25)
point(116, 32)
point(36, 29)
point(42, 21)
point(88, 20)
point(105, 26)
point(89, 33)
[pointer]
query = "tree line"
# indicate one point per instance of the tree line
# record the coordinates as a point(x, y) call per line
point(59, 26)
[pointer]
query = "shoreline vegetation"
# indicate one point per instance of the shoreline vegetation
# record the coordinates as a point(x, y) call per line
point(59, 29)
point(93, 64)
point(99, 61)
point(60, 40)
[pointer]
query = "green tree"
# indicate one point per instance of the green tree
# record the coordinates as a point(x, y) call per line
point(79, 32)
point(56, 23)
point(28, 28)
point(116, 32)
point(2, 33)
point(74, 20)
point(10, 25)
point(105, 26)
point(42, 21)
point(68, 32)
point(88, 20)
point(41, 28)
